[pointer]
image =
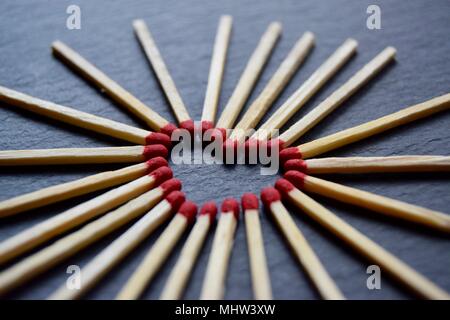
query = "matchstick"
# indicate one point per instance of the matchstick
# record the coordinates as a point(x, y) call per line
point(78, 187)
point(216, 70)
point(81, 155)
point(328, 69)
point(214, 282)
point(118, 250)
point(111, 88)
point(338, 97)
point(46, 258)
point(370, 164)
point(368, 129)
point(69, 219)
point(180, 274)
point(274, 87)
point(154, 56)
point(249, 77)
point(362, 244)
point(430, 218)
point(159, 252)
point(262, 290)
point(81, 119)
point(300, 246)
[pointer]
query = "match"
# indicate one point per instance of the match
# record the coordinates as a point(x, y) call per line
point(181, 272)
point(262, 289)
point(368, 129)
point(214, 282)
point(111, 88)
point(64, 156)
point(300, 246)
point(402, 210)
point(362, 244)
point(69, 245)
point(114, 253)
point(32, 237)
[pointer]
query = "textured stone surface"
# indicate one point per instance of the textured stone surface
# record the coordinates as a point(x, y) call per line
point(184, 31)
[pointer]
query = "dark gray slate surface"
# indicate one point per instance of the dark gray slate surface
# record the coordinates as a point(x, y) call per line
point(184, 31)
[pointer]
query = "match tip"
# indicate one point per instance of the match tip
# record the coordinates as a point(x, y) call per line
point(206, 125)
point(156, 163)
point(189, 210)
point(209, 208)
point(290, 153)
point(219, 134)
point(297, 178)
point(155, 150)
point(295, 164)
point(168, 129)
point(158, 138)
point(284, 186)
point(269, 195)
point(230, 205)
point(189, 126)
point(176, 199)
point(170, 185)
point(249, 201)
point(161, 174)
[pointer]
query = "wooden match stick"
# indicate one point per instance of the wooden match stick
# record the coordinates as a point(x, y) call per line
point(159, 252)
point(111, 88)
point(365, 130)
point(81, 119)
point(52, 227)
point(300, 246)
point(154, 56)
point(214, 282)
point(274, 87)
point(78, 187)
point(69, 245)
point(430, 218)
point(262, 289)
point(113, 254)
point(328, 69)
point(250, 75)
point(216, 70)
point(182, 270)
point(370, 164)
point(81, 155)
point(362, 244)
point(338, 97)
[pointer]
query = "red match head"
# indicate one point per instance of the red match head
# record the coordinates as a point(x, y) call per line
point(189, 126)
point(170, 185)
point(155, 150)
point(290, 153)
point(219, 134)
point(209, 208)
point(296, 177)
point(189, 210)
point(284, 186)
point(207, 125)
point(176, 199)
point(275, 143)
point(168, 129)
point(158, 138)
point(295, 164)
point(269, 195)
point(230, 145)
point(230, 205)
point(161, 174)
point(251, 144)
point(156, 163)
point(249, 201)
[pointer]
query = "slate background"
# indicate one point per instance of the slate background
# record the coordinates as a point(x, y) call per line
point(185, 31)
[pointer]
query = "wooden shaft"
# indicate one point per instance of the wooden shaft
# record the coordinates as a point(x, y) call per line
point(71, 189)
point(262, 289)
point(250, 75)
point(430, 218)
point(214, 282)
point(154, 259)
point(52, 227)
point(373, 127)
point(369, 249)
point(275, 85)
point(154, 56)
point(216, 69)
point(338, 97)
point(305, 254)
point(98, 267)
point(48, 257)
point(378, 164)
point(74, 117)
point(71, 156)
point(329, 68)
point(107, 85)
point(179, 276)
